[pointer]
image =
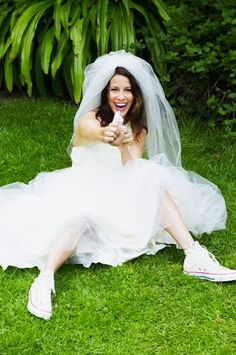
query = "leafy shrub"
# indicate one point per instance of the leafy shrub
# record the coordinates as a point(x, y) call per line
point(200, 55)
point(47, 44)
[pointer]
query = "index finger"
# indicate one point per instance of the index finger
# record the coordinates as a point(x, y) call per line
point(114, 124)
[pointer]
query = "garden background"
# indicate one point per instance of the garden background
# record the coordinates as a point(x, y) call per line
point(147, 306)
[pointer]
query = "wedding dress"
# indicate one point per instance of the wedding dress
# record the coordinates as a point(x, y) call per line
point(104, 211)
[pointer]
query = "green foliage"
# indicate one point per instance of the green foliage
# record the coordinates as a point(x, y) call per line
point(201, 56)
point(45, 45)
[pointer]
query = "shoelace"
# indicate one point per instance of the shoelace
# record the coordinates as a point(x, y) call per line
point(212, 258)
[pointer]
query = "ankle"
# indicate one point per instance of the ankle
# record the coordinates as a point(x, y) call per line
point(46, 273)
point(191, 248)
point(48, 277)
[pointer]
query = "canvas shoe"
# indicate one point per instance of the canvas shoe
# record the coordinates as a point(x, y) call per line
point(39, 300)
point(199, 262)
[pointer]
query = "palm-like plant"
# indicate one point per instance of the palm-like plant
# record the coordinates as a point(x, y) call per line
point(48, 43)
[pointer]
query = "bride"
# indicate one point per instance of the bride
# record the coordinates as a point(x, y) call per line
point(111, 205)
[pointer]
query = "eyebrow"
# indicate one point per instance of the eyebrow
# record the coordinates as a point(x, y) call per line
point(117, 87)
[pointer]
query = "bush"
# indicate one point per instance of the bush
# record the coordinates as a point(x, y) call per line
point(46, 44)
point(201, 53)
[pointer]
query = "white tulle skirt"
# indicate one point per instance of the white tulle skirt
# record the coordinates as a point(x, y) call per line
point(102, 211)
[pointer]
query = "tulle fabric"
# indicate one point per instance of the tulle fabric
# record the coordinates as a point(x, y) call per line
point(163, 133)
point(102, 211)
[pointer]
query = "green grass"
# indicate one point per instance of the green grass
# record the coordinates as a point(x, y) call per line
point(146, 306)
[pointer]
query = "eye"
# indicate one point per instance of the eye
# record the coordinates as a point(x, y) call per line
point(114, 89)
point(128, 89)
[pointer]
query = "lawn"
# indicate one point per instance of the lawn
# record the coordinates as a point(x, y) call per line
point(147, 306)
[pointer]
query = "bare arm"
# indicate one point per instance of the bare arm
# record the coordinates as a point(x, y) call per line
point(89, 130)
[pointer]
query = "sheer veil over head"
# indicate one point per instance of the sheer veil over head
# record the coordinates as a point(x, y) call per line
point(163, 133)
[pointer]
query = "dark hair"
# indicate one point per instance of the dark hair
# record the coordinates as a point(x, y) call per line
point(136, 114)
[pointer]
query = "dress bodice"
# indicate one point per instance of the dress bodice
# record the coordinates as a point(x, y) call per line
point(94, 153)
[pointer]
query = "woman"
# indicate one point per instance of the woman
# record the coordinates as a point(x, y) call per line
point(112, 205)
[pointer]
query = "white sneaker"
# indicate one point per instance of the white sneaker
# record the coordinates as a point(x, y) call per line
point(39, 300)
point(199, 262)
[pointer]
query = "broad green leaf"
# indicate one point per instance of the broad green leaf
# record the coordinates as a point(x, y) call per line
point(23, 23)
point(57, 19)
point(161, 9)
point(75, 12)
point(47, 47)
point(62, 49)
point(26, 50)
point(80, 60)
point(126, 5)
point(102, 30)
point(65, 13)
point(16, 14)
point(39, 74)
point(3, 14)
point(76, 35)
point(8, 72)
point(116, 35)
point(3, 31)
point(66, 70)
point(140, 9)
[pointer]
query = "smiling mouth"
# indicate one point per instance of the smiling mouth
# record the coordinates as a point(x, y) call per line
point(120, 107)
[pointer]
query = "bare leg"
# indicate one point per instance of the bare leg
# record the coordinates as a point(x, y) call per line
point(56, 259)
point(39, 301)
point(64, 248)
point(177, 228)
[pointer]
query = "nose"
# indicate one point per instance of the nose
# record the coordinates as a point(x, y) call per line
point(121, 95)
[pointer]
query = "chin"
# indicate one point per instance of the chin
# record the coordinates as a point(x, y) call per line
point(123, 114)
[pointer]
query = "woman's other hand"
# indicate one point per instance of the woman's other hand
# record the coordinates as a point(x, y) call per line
point(126, 138)
point(112, 134)
point(118, 135)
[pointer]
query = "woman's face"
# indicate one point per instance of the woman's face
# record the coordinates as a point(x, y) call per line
point(120, 96)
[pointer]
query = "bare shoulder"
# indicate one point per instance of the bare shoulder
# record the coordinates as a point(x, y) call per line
point(143, 134)
point(141, 137)
point(138, 144)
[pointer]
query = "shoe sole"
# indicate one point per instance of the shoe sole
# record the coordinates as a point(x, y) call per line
point(38, 312)
point(212, 277)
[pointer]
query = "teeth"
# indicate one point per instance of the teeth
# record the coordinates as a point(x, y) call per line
point(120, 105)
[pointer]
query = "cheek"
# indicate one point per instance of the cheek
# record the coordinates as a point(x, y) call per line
point(110, 97)
point(131, 99)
